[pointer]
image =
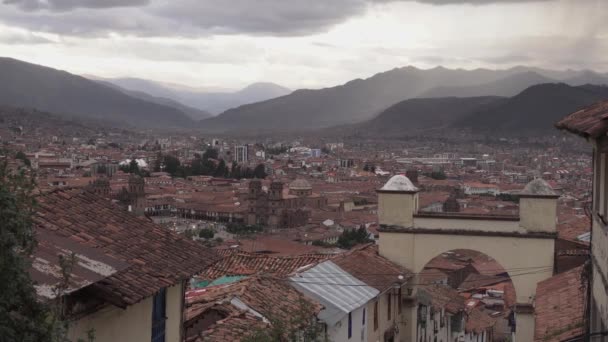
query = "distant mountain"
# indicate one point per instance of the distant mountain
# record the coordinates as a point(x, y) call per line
point(194, 113)
point(140, 85)
point(588, 77)
point(362, 99)
point(34, 86)
point(213, 102)
point(535, 109)
point(418, 115)
point(353, 101)
point(508, 86)
point(220, 101)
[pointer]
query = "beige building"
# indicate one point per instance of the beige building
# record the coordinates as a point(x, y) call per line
point(590, 123)
point(523, 245)
point(127, 276)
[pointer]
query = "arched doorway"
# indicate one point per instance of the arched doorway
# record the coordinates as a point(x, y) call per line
point(477, 290)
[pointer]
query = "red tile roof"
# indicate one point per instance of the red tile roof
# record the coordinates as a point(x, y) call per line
point(234, 328)
point(273, 298)
point(443, 296)
point(365, 264)
point(157, 257)
point(478, 321)
point(276, 246)
point(587, 122)
point(243, 263)
point(559, 307)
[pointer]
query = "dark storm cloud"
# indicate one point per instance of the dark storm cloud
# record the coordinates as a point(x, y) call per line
point(66, 5)
point(181, 18)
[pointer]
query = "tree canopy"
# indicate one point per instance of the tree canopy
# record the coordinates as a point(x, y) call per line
point(22, 316)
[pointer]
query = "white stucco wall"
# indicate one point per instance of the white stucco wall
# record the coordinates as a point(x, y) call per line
point(397, 208)
point(113, 324)
point(339, 332)
point(538, 214)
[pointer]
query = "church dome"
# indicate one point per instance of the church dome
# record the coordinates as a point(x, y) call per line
point(399, 183)
point(300, 184)
point(538, 187)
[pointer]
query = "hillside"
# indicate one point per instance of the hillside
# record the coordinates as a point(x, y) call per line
point(354, 101)
point(508, 86)
point(419, 115)
point(213, 102)
point(194, 113)
point(535, 109)
point(34, 86)
point(14, 121)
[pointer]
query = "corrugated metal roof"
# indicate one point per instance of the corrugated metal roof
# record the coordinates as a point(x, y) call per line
point(337, 290)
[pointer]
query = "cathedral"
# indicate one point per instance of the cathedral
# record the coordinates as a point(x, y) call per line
point(278, 207)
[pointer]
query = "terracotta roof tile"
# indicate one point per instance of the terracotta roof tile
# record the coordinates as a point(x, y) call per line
point(243, 263)
point(591, 121)
point(559, 307)
point(273, 298)
point(365, 264)
point(158, 257)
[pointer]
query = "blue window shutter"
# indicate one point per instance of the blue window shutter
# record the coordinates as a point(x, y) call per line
point(350, 325)
point(159, 315)
point(363, 320)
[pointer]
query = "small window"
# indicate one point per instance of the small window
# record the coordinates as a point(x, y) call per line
point(389, 309)
point(350, 325)
point(159, 306)
point(399, 299)
point(375, 315)
point(363, 320)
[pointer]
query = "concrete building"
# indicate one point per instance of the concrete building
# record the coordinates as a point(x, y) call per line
point(241, 154)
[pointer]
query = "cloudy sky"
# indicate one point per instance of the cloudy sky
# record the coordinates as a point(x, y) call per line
point(299, 43)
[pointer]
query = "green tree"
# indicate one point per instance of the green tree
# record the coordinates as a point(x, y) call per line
point(158, 162)
point(235, 171)
point(248, 173)
point(220, 171)
point(208, 167)
point(206, 233)
point(172, 164)
point(352, 237)
point(21, 156)
point(22, 316)
point(260, 171)
point(133, 166)
point(210, 153)
point(438, 175)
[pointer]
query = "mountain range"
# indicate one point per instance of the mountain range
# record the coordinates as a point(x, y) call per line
point(34, 86)
point(395, 101)
point(212, 102)
point(362, 99)
point(532, 111)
